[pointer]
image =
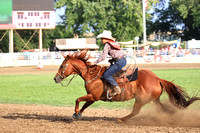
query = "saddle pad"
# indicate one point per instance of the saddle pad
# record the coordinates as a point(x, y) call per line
point(133, 76)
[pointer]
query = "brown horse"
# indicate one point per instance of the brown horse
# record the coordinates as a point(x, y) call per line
point(148, 87)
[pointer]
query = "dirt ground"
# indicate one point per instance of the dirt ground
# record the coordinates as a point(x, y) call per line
point(16, 118)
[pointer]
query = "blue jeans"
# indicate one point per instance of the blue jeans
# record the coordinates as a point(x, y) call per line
point(116, 67)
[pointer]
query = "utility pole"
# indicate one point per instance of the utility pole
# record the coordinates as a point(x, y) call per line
point(144, 20)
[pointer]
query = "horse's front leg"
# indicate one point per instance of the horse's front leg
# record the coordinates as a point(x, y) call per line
point(87, 98)
point(87, 104)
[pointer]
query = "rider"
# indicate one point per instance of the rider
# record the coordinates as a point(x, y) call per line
point(111, 48)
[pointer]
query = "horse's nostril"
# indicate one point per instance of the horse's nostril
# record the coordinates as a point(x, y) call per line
point(54, 79)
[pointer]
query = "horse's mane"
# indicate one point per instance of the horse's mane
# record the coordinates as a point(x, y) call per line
point(81, 55)
point(84, 56)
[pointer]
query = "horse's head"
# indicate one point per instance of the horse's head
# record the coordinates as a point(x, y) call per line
point(71, 65)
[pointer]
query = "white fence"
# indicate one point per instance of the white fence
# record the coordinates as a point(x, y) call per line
point(56, 58)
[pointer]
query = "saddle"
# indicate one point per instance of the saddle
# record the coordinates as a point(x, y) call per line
point(124, 76)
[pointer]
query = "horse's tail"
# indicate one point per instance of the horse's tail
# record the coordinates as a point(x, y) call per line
point(177, 95)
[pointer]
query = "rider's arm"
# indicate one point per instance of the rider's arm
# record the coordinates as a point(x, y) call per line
point(104, 54)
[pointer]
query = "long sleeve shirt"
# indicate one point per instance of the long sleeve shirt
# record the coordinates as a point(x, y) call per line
point(109, 50)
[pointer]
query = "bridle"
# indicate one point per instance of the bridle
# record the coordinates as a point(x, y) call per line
point(64, 77)
point(75, 75)
point(61, 75)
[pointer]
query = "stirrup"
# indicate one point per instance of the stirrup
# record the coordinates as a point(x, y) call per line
point(108, 96)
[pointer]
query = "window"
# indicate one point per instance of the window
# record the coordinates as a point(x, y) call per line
point(46, 15)
point(20, 15)
point(45, 24)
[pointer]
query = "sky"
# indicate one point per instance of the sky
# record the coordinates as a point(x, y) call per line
point(59, 12)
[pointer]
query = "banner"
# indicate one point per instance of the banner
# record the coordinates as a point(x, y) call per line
point(146, 4)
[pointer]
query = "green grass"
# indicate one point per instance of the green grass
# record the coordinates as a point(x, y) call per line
point(41, 89)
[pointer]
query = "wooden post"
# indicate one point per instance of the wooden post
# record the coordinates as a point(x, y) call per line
point(11, 41)
point(40, 40)
point(40, 64)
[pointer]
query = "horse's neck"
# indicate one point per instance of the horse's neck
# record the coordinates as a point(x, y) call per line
point(79, 66)
point(94, 72)
point(88, 72)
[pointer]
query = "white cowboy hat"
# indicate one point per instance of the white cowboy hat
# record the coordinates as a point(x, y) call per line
point(106, 34)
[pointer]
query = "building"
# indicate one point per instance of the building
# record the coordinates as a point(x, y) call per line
point(75, 44)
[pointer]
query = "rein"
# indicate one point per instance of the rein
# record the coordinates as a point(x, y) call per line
point(68, 81)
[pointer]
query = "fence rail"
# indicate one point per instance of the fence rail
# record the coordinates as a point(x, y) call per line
point(140, 56)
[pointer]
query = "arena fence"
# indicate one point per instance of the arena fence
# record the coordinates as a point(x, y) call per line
point(133, 56)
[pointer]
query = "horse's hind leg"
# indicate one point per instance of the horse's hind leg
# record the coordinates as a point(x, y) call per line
point(136, 109)
point(160, 106)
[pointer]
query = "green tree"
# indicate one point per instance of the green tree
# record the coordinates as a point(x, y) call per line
point(49, 36)
point(4, 42)
point(167, 19)
point(122, 17)
point(190, 14)
point(179, 15)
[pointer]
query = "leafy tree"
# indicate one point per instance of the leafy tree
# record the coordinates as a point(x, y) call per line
point(164, 21)
point(122, 17)
point(190, 14)
point(180, 15)
point(48, 36)
point(4, 43)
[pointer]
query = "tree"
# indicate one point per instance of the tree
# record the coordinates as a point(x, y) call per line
point(167, 19)
point(190, 13)
point(59, 32)
point(122, 17)
point(180, 15)
point(4, 42)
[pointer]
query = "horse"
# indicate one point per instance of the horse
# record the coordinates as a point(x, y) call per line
point(148, 87)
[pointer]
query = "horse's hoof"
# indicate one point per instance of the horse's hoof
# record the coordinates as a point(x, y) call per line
point(77, 116)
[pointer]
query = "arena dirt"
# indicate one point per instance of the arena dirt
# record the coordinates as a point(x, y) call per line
point(15, 118)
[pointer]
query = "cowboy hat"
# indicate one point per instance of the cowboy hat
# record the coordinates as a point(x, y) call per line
point(106, 34)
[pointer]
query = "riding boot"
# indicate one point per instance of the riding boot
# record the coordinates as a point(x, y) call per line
point(116, 91)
